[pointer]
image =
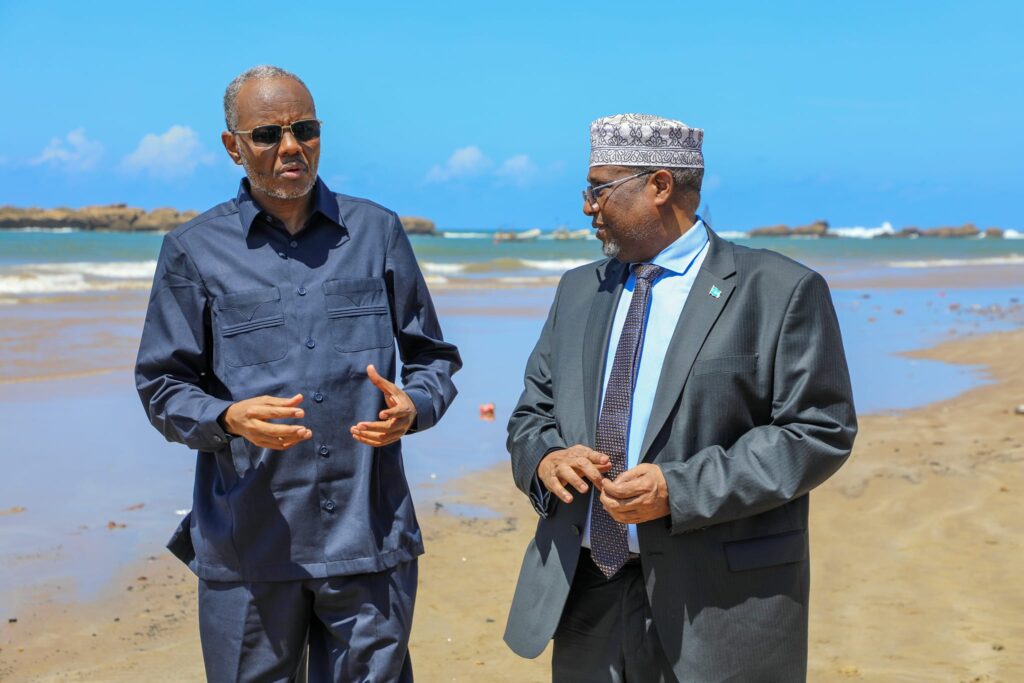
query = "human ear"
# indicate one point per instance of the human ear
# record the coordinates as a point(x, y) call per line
point(662, 183)
point(230, 143)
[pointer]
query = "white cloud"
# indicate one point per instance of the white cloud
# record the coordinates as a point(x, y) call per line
point(173, 154)
point(73, 153)
point(517, 169)
point(464, 162)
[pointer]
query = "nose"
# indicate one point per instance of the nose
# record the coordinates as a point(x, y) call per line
point(590, 209)
point(288, 146)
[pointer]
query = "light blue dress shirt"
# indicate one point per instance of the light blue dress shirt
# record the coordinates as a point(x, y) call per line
point(681, 260)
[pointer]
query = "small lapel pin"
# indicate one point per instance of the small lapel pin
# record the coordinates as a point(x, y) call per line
point(715, 292)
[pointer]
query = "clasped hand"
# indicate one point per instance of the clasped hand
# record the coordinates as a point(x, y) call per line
point(637, 495)
point(251, 418)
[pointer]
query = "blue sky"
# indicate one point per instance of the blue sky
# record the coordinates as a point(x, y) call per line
point(476, 115)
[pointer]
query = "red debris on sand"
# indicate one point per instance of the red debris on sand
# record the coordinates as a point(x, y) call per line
point(115, 525)
point(137, 506)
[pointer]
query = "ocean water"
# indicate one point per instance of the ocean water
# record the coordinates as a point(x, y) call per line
point(41, 262)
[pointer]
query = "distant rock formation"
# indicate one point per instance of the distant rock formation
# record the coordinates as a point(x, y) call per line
point(418, 226)
point(815, 229)
point(820, 229)
point(965, 230)
point(115, 217)
point(124, 218)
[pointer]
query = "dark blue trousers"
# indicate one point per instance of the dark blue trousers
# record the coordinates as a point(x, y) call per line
point(357, 628)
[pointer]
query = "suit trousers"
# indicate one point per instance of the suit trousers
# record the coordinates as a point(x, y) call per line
point(356, 627)
point(606, 633)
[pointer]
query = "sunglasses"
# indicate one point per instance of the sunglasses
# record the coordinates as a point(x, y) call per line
point(271, 134)
point(593, 192)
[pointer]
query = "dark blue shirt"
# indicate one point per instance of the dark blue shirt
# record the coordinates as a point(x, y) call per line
point(240, 308)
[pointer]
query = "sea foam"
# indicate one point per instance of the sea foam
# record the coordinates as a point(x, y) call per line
point(53, 278)
point(1010, 260)
point(863, 233)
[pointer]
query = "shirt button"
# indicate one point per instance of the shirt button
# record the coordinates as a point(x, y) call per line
point(324, 450)
point(310, 343)
point(318, 397)
point(302, 291)
point(329, 505)
point(268, 219)
point(293, 244)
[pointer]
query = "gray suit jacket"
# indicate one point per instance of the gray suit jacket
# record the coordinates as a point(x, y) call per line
point(753, 410)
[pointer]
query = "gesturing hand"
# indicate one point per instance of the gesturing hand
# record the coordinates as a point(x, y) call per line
point(570, 466)
point(636, 495)
point(249, 420)
point(395, 420)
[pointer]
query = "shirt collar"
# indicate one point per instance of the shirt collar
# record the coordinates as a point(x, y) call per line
point(324, 203)
point(679, 256)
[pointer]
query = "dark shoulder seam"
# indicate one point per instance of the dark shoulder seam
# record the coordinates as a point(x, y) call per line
point(362, 200)
point(192, 261)
point(202, 220)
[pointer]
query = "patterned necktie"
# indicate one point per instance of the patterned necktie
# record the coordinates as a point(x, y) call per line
point(609, 546)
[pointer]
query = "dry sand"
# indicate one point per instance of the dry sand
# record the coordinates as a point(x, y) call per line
point(916, 556)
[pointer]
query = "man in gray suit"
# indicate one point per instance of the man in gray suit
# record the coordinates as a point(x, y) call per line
point(684, 397)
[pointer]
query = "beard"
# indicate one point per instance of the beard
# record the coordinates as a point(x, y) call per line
point(266, 184)
point(610, 248)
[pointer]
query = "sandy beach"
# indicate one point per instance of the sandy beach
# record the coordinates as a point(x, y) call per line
point(916, 549)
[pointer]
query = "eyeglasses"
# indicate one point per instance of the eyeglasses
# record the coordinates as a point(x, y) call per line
point(271, 134)
point(593, 192)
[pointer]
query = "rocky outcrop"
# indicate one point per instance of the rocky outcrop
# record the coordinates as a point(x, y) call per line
point(820, 229)
point(115, 217)
point(815, 229)
point(772, 231)
point(965, 230)
point(418, 226)
point(124, 218)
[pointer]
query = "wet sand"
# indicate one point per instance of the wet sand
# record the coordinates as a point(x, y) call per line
point(916, 550)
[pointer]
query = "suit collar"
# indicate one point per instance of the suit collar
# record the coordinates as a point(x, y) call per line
point(719, 261)
point(710, 294)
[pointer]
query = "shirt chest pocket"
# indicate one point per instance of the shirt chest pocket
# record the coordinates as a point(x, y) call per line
point(358, 314)
point(251, 326)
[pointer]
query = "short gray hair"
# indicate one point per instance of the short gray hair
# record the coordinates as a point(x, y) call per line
point(263, 72)
point(686, 179)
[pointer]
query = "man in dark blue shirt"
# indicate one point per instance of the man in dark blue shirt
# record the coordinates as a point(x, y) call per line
point(268, 347)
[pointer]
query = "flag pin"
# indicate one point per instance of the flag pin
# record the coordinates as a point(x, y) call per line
point(715, 292)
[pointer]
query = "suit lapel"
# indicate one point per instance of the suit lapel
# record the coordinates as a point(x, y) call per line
point(611, 277)
point(700, 312)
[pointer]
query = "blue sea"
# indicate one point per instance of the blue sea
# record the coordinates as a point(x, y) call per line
point(37, 262)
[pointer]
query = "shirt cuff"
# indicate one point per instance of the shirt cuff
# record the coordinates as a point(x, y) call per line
point(424, 410)
point(210, 430)
point(540, 497)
